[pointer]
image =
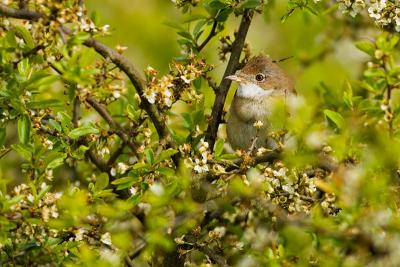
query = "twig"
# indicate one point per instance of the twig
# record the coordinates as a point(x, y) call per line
point(76, 112)
point(4, 152)
point(33, 50)
point(128, 261)
point(214, 256)
point(115, 155)
point(101, 109)
point(23, 4)
point(81, 4)
point(253, 145)
point(99, 163)
point(223, 88)
point(213, 32)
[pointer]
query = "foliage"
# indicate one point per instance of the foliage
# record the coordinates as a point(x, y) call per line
point(112, 169)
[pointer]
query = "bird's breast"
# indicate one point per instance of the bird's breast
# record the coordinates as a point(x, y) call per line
point(250, 110)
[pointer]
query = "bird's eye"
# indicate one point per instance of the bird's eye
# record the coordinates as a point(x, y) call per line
point(260, 77)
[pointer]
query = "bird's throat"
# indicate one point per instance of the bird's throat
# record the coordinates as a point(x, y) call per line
point(252, 90)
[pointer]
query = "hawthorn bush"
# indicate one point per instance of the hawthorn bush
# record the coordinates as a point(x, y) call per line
point(104, 164)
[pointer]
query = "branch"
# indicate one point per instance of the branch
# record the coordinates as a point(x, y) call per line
point(76, 112)
point(19, 14)
point(127, 67)
point(99, 163)
point(121, 62)
point(101, 109)
point(213, 32)
point(22, 4)
point(223, 88)
point(115, 155)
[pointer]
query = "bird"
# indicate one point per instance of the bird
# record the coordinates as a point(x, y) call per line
point(261, 82)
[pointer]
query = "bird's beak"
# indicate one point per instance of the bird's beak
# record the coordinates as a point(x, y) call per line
point(234, 78)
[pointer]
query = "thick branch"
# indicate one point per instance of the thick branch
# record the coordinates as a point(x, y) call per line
point(231, 68)
point(19, 14)
point(126, 66)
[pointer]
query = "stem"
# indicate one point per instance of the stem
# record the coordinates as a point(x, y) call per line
point(213, 32)
point(76, 112)
point(388, 99)
point(231, 68)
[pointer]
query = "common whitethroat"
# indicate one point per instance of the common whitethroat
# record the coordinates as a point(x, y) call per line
point(261, 83)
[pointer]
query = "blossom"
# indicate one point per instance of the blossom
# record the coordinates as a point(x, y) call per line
point(106, 239)
point(258, 124)
point(200, 166)
point(150, 95)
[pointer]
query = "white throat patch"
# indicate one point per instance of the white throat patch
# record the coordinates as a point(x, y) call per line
point(250, 90)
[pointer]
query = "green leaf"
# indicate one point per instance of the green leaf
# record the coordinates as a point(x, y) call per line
point(133, 114)
point(186, 35)
point(57, 162)
point(251, 4)
point(217, 4)
point(104, 193)
point(40, 79)
point(166, 154)
point(219, 147)
point(348, 94)
point(149, 155)
point(335, 117)
point(23, 33)
point(102, 181)
point(66, 121)
point(187, 121)
point(223, 15)
point(312, 10)
point(394, 41)
point(42, 104)
point(82, 131)
point(24, 129)
point(366, 47)
point(24, 67)
point(123, 180)
point(166, 171)
point(197, 30)
point(55, 125)
point(11, 40)
point(174, 25)
point(78, 38)
point(228, 156)
point(23, 150)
